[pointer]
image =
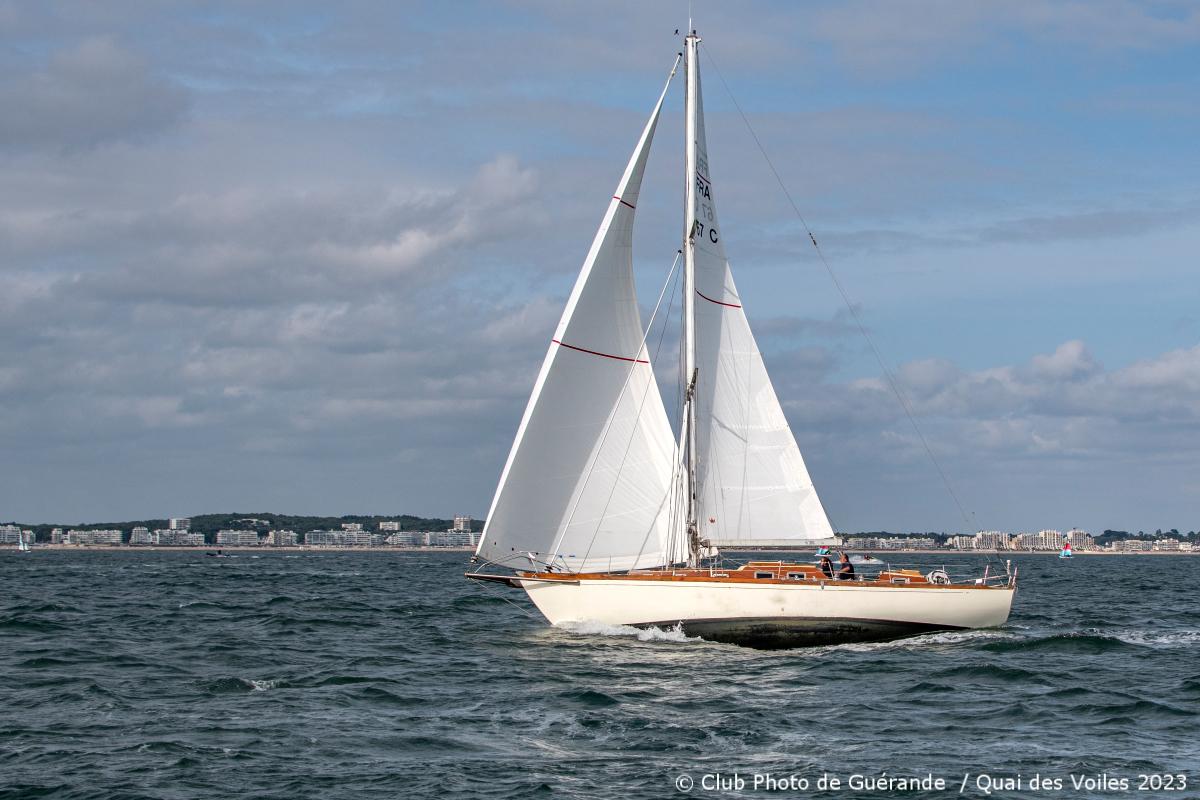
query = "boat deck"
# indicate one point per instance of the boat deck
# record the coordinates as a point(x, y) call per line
point(776, 572)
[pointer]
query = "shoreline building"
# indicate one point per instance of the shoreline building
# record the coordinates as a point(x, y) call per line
point(108, 537)
point(1042, 540)
point(234, 538)
point(174, 537)
point(1081, 539)
point(1049, 540)
point(460, 535)
point(179, 524)
point(409, 539)
point(453, 538)
point(1132, 545)
point(992, 540)
point(141, 536)
point(890, 543)
point(282, 538)
point(342, 538)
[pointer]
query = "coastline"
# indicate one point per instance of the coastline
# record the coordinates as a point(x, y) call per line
point(210, 548)
point(881, 554)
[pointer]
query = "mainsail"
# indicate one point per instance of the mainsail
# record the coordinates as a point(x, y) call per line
point(752, 487)
point(586, 484)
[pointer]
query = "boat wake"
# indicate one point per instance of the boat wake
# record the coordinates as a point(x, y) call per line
point(1159, 639)
point(924, 640)
point(651, 634)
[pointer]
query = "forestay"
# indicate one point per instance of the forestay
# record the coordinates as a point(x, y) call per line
point(752, 484)
point(586, 483)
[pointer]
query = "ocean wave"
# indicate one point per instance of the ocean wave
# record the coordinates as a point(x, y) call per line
point(1089, 643)
point(377, 694)
point(235, 685)
point(993, 672)
point(929, 687)
point(17, 623)
point(924, 640)
point(1071, 693)
point(1140, 708)
point(202, 604)
point(1190, 686)
point(590, 698)
point(1159, 639)
point(650, 634)
point(47, 607)
point(347, 680)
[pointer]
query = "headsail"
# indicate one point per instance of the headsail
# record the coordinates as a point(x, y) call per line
point(752, 485)
point(586, 484)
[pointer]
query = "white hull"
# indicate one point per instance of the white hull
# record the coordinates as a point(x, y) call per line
point(772, 614)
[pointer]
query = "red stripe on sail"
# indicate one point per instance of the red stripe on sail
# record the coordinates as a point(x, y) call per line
point(597, 353)
point(622, 202)
point(718, 302)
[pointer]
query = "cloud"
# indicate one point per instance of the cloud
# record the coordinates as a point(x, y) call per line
point(1062, 404)
point(1070, 362)
point(246, 246)
point(92, 94)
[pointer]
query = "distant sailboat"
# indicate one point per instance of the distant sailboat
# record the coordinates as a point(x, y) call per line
point(23, 544)
point(603, 513)
point(1066, 551)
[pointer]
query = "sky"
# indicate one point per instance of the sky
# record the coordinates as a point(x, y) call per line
point(306, 257)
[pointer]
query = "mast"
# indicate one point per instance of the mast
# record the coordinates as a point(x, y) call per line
point(691, 71)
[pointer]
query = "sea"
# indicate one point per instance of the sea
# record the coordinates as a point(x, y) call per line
point(385, 674)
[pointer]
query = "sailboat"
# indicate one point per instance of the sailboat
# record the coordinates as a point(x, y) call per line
point(1066, 550)
point(23, 544)
point(603, 513)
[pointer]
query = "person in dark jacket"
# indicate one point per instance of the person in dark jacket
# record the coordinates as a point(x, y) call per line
point(845, 569)
point(827, 567)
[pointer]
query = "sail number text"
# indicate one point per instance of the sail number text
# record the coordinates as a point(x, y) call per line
point(704, 227)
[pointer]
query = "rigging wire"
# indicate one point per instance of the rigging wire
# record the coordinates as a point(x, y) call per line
point(891, 380)
point(488, 590)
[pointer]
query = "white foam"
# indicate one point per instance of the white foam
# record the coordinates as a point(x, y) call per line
point(651, 634)
point(926, 640)
point(1161, 639)
point(262, 686)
